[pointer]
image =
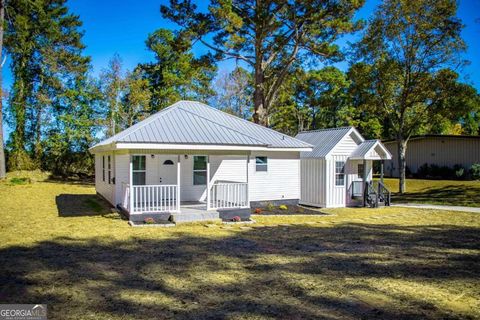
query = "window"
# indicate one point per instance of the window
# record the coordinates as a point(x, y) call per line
point(168, 163)
point(138, 170)
point(261, 164)
point(199, 170)
point(360, 170)
point(109, 170)
point(339, 173)
point(103, 168)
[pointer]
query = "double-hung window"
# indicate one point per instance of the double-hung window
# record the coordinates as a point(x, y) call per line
point(339, 173)
point(109, 169)
point(103, 168)
point(261, 164)
point(199, 170)
point(138, 170)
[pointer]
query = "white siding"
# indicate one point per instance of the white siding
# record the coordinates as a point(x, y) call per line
point(105, 188)
point(345, 147)
point(312, 182)
point(281, 181)
point(352, 175)
point(336, 195)
point(122, 167)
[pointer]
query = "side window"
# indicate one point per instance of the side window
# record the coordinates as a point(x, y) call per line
point(339, 173)
point(199, 170)
point(261, 164)
point(103, 168)
point(138, 170)
point(109, 169)
point(360, 170)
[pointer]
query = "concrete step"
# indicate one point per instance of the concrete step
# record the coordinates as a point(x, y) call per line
point(195, 216)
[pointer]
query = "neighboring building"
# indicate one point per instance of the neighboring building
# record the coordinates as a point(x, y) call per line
point(338, 172)
point(440, 150)
point(192, 162)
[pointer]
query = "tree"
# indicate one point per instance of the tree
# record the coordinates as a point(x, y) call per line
point(113, 83)
point(234, 92)
point(176, 73)
point(44, 46)
point(406, 47)
point(268, 36)
point(3, 171)
point(136, 100)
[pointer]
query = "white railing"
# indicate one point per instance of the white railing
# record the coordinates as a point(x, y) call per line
point(229, 195)
point(126, 196)
point(151, 198)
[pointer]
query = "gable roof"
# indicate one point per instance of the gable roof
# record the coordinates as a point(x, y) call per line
point(191, 122)
point(325, 140)
point(363, 150)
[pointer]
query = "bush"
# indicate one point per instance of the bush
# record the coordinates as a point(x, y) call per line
point(236, 219)
point(257, 211)
point(459, 171)
point(475, 171)
point(270, 206)
point(283, 207)
point(16, 181)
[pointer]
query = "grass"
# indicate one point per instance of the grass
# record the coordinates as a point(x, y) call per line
point(59, 248)
point(444, 192)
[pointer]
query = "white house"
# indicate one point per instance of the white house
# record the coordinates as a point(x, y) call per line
point(193, 162)
point(338, 171)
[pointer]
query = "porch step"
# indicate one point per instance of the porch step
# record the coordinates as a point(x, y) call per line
point(195, 216)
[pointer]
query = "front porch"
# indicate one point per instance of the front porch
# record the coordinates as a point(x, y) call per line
point(197, 194)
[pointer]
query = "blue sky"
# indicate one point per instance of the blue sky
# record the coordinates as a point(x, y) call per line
point(122, 26)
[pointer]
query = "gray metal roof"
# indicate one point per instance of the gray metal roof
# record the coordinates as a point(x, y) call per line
point(323, 140)
point(363, 149)
point(190, 122)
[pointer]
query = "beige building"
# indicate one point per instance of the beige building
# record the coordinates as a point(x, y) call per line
point(441, 150)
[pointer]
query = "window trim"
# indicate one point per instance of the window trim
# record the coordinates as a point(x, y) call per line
point(137, 171)
point(199, 170)
point(337, 174)
point(261, 164)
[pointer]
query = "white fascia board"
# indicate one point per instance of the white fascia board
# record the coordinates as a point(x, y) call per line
point(168, 146)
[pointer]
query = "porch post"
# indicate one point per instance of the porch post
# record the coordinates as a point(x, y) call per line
point(381, 170)
point(364, 186)
point(248, 185)
point(130, 183)
point(178, 183)
point(208, 182)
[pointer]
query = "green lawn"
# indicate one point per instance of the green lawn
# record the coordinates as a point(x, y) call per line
point(446, 192)
point(60, 245)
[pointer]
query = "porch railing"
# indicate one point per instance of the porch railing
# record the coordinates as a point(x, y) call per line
point(226, 195)
point(150, 198)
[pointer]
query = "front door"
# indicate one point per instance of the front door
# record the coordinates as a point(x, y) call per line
point(167, 169)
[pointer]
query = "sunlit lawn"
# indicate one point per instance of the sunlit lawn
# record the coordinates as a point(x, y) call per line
point(59, 245)
point(444, 192)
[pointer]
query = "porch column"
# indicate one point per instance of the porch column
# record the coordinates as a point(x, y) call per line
point(208, 182)
point(130, 183)
point(364, 186)
point(178, 182)
point(381, 170)
point(248, 185)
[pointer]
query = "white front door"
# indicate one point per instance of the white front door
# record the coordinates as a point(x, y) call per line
point(167, 171)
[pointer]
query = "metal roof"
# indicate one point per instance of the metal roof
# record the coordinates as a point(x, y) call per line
point(323, 140)
point(191, 122)
point(363, 149)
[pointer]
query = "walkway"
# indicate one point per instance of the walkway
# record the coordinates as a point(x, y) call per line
point(437, 207)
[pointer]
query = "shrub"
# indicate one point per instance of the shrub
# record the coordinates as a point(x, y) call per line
point(459, 171)
point(475, 171)
point(257, 211)
point(16, 181)
point(270, 206)
point(283, 207)
point(236, 219)
point(149, 221)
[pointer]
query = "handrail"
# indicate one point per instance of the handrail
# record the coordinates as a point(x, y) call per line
point(369, 192)
point(154, 198)
point(384, 193)
point(228, 195)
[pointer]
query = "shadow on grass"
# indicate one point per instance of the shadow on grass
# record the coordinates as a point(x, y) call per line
point(81, 205)
point(451, 194)
point(291, 273)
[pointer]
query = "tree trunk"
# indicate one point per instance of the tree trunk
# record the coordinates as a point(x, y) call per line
point(402, 163)
point(2, 151)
